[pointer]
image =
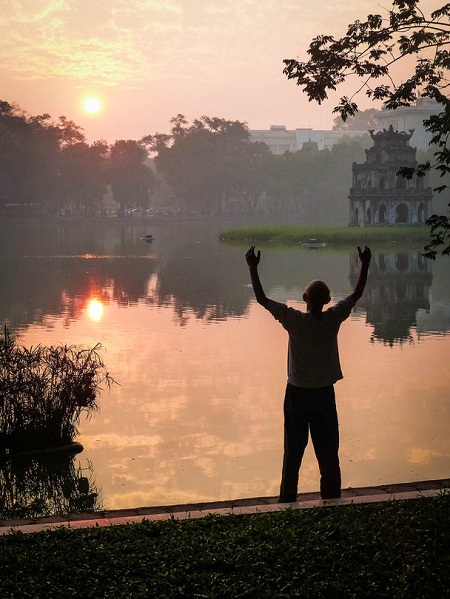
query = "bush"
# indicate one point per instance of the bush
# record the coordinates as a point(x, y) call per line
point(44, 390)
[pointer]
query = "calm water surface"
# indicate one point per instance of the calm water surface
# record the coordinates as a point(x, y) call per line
point(202, 368)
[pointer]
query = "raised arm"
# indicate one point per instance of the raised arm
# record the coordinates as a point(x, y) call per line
point(253, 261)
point(364, 257)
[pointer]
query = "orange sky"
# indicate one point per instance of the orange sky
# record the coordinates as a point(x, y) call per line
point(148, 60)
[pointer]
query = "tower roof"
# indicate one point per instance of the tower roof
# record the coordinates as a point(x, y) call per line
point(391, 138)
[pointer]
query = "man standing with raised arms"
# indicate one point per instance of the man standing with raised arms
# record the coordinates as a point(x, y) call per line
point(313, 368)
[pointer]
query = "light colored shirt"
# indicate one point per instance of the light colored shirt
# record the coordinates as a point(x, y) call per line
point(313, 354)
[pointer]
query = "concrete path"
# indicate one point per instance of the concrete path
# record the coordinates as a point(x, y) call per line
point(360, 495)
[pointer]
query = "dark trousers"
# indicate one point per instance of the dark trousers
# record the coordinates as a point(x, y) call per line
point(311, 410)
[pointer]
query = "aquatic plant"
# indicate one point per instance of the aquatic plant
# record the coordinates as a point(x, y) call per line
point(336, 236)
point(44, 390)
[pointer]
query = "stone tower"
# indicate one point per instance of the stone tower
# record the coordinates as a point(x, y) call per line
point(378, 195)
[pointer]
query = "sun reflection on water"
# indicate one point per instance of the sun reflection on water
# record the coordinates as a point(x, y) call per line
point(95, 309)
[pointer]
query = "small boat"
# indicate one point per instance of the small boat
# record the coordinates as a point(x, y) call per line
point(314, 244)
point(148, 238)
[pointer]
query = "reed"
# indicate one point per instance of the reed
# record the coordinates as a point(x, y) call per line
point(44, 391)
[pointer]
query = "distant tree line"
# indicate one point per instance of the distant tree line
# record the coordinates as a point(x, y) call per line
point(50, 164)
point(210, 166)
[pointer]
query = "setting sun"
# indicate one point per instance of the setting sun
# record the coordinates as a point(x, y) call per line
point(92, 105)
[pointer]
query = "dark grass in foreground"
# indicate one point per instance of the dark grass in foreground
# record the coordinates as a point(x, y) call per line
point(293, 234)
point(394, 549)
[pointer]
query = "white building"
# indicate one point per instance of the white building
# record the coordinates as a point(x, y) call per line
point(278, 138)
point(411, 118)
point(281, 140)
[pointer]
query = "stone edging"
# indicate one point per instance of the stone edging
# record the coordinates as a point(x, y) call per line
point(359, 495)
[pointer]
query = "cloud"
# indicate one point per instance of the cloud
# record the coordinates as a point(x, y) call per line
point(106, 42)
point(131, 41)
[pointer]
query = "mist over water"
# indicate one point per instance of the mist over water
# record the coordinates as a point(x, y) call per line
point(202, 368)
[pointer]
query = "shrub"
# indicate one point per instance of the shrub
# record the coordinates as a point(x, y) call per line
point(43, 392)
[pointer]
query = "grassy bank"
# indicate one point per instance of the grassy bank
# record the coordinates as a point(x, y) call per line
point(290, 234)
point(394, 549)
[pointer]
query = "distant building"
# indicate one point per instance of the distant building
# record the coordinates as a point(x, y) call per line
point(411, 117)
point(278, 138)
point(381, 197)
point(281, 140)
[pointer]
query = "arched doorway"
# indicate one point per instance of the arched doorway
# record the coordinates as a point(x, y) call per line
point(421, 214)
point(401, 214)
point(382, 214)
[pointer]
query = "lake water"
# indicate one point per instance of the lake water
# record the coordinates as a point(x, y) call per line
point(202, 368)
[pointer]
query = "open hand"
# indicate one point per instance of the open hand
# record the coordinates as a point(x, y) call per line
point(252, 258)
point(365, 256)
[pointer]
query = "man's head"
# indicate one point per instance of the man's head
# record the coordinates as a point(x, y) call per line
point(317, 294)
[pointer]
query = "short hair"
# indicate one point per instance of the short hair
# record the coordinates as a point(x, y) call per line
point(317, 293)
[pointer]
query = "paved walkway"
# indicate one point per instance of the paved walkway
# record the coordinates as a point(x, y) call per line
point(360, 495)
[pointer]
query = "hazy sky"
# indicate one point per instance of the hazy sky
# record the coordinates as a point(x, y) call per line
point(148, 60)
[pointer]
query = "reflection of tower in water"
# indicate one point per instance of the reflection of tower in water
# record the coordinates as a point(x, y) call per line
point(398, 286)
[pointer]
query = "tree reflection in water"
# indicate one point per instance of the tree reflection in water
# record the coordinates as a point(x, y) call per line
point(44, 485)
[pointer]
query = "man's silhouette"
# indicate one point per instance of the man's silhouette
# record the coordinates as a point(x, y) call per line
point(313, 368)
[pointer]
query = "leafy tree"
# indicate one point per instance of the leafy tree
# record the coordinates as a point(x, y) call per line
point(13, 133)
point(83, 176)
point(186, 159)
point(30, 152)
point(28, 156)
point(130, 177)
point(284, 181)
point(211, 165)
point(41, 171)
point(69, 133)
point(51, 163)
point(371, 50)
point(250, 164)
point(310, 183)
